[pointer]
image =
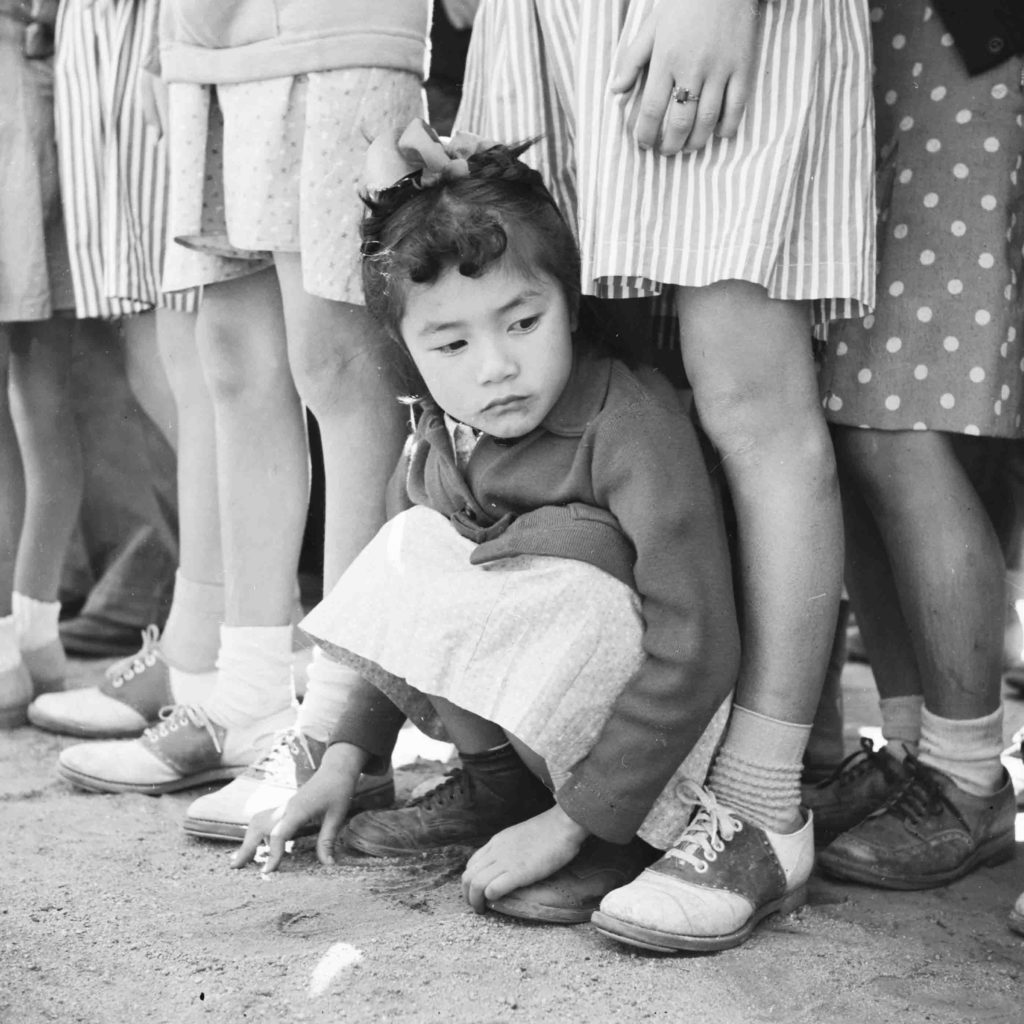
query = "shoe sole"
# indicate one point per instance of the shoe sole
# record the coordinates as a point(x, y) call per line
point(14, 717)
point(523, 910)
point(372, 849)
point(376, 799)
point(674, 942)
point(97, 785)
point(81, 732)
point(989, 854)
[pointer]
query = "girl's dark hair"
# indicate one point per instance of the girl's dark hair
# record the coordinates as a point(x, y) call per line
point(413, 233)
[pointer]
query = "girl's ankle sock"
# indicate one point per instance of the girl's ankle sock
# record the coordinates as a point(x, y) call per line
point(35, 622)
point(901, 724)
point(10, 653)
point(967, 749)
point(757, 770)
point(254, 674)
point(327, 686)
point(191, 638)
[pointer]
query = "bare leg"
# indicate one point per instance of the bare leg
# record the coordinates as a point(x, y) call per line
point(335, 354)
point(946, 563)
point(40, 364)
point(262, 461)
point(749, 362)
point(145, 371)
point(470, 733)
point(12, 493)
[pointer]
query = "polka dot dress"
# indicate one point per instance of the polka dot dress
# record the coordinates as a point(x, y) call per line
point(944, 349)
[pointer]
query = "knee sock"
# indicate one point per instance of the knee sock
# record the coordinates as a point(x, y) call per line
point(967, 750)
point(757, 770)
point(191, 637)
point(34, 621)
point(10, 653)
point(327, 682)
point(901, 724)
point(254, 674)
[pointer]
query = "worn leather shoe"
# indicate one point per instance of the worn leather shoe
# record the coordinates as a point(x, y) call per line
point(862, 783)
point(490, 792)
point(572, 894)
point(931, 833)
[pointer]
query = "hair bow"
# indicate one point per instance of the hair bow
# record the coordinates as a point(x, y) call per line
point(397, 153)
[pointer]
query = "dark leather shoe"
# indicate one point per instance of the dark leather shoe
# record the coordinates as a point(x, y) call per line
point(931, 833)
point(488, 793)
point(573, 893)
point(861, 784)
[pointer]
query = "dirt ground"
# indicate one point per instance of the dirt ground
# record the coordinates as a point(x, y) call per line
point(110, 914)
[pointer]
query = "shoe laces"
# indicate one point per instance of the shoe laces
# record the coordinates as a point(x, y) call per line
point(456, 782)
point(172, 717)
point(920, 797)
point(146, 656)
point(711, 827)
point(289, 748)
point(853, 766)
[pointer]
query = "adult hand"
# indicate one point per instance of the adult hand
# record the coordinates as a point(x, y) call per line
point(325, 796)
point(521, 855)
point(702, 50)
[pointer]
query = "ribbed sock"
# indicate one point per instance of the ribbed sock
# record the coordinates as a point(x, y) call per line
point(901, 724)
point(191, 638)
point(254, 674)
point(967, 750)
point(327, 683)
point(10, 653)
point(757, 770)
point(35, 622)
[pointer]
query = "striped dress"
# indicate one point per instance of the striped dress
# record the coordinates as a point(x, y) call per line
point(112, 164)
point(788, 203)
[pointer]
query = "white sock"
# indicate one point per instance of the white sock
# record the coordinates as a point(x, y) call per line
point(191, 638)
point(757, 771)
point(10, 653)
point(34, 621)
point(967, 749)
point(326, 695)
point(901, 724)
point(254, 674)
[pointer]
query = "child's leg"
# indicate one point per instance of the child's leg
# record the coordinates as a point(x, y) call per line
point(15, 684)
point(52, 458)
point(946, 565)
point(749, 362)
point(146, 373)
point(336, 354)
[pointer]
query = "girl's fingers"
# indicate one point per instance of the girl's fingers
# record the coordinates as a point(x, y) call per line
point(631, 59)
point(733, 105)
point(708, 115)
point(680, 117)
point(656, 97)
point(500, 886)
point(329, 829)
point(250, 844)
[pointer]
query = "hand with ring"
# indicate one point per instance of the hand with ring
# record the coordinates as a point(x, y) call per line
point(699, 60)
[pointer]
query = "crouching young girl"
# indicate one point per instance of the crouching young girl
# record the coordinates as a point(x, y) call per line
point(556, 596)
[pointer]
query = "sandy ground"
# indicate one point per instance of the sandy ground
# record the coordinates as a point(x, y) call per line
point(109, 913)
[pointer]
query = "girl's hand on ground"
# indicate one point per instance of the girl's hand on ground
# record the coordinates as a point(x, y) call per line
point(325, 796)
point(521, 855)
point(706, 49)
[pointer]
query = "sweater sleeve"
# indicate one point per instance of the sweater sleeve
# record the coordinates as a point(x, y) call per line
point(368, 720)
point(649, 472)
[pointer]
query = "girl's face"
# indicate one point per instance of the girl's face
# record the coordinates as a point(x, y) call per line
point(495, 351)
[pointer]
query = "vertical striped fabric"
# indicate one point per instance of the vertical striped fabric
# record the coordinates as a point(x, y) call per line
point(788, 204)
point(112, 165)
